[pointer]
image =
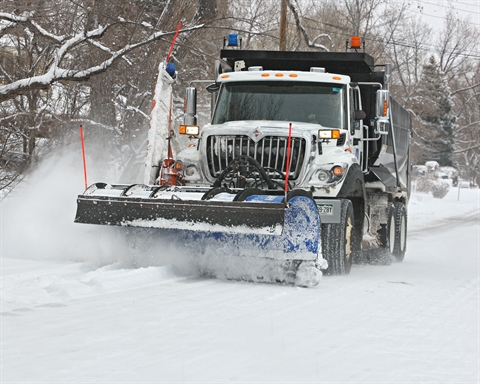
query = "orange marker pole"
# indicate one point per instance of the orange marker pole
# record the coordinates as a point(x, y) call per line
point(173, 42)
point(82, 139)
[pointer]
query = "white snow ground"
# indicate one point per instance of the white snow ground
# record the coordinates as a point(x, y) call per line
point(76, 307)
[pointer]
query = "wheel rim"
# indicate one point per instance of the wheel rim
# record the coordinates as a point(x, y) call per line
point(348, 239)
point(392, 234)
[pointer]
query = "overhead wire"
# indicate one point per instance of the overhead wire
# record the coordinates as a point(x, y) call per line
point(472, 3)
point(404, 43)
point(452, 6)
point(437, 17)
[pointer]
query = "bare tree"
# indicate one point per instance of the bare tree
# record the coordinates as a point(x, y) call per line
point(467, 132)
point(408, 51)
point(457, 40)
point(51, 52)
point(62, 52)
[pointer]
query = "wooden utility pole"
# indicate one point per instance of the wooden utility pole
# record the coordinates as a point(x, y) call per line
point(283, 27)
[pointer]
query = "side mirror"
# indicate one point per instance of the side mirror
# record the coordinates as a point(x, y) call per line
point(190, 116)
point(360, 115)
point(383, 111)
point(383, 105)
point(213, 87)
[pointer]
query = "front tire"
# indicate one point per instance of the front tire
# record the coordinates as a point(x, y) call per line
point(338, 242)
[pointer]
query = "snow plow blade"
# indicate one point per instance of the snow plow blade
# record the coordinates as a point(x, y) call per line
point(262, 226)
point(267, 218)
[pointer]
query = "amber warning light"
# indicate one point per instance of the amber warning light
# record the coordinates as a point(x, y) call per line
point(191, 130)
point(355, 42)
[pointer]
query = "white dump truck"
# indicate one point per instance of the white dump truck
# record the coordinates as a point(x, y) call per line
point(304, 166)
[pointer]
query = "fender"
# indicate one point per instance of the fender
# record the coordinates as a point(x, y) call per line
point(354, 184)
point(353, 189)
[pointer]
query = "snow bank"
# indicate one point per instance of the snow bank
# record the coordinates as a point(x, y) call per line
point(425, 211)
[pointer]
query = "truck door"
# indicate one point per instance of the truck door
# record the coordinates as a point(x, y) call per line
point(356, 126)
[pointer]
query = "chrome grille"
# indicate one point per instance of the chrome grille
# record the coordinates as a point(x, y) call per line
point(270, 152)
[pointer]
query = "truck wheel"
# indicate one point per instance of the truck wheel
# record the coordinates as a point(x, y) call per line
point(397, 231)
point(338, 242)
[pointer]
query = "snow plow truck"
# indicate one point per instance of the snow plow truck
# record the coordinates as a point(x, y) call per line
point(303, 169)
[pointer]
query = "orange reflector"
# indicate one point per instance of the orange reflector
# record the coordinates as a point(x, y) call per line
point(279, 74)
point(336, 78)
point(178, 165)
point(355, 42)
point(337, 171)
point(225, 76)
point(385, 107)
point(265, 74)
point(293, 75)
point(182, 130)
point(335, 134)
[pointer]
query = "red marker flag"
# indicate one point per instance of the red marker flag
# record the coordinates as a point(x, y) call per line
point(82, 139)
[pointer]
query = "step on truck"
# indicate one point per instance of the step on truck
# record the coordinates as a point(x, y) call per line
point(303, 169)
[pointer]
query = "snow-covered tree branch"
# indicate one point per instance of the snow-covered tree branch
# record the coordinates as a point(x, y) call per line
point(310, 43)
point(64, 57)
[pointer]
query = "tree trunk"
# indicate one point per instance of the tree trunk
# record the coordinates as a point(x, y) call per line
point(283, 26)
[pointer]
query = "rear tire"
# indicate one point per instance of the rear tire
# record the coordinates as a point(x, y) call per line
point(397, 231)
point(393, 235)
point(338, 242)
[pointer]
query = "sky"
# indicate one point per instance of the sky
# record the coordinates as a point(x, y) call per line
point(433, 11)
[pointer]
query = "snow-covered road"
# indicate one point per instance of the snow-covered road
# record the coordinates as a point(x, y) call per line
point(70, 313)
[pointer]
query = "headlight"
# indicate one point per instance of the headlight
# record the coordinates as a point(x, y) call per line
point(338, 170)
point(323, 176)
point(191, 173)
point(178, 166)
point(328, 175)
point(190, 170)
point(191, 130)
point(329, 134)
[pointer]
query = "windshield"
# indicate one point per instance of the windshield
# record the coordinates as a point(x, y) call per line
point(290, 101)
